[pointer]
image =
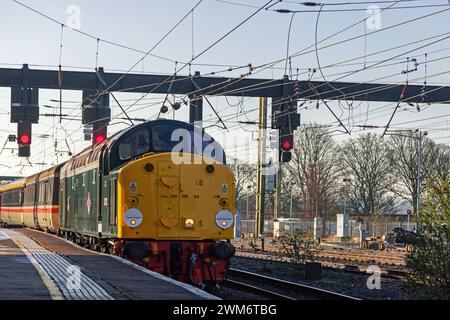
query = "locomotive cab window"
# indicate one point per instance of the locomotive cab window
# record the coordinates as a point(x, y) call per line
point(162, 137)
point(134, 145)
point(167, 136)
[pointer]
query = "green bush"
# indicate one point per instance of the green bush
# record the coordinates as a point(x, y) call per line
point(298, 247)
point(429, 263)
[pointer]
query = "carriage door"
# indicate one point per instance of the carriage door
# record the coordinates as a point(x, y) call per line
point(62, 186)
point(44, 213)
point(36, 202)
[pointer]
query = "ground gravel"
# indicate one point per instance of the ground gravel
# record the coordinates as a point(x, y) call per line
point(334, 280)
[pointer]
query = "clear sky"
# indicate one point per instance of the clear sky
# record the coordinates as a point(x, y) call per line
point(27, 37)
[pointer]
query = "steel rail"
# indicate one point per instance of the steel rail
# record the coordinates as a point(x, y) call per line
point(253, 289)
point(341, 266)
point(318, 293)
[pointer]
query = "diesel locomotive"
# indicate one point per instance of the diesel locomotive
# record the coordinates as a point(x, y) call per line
point(159, 194)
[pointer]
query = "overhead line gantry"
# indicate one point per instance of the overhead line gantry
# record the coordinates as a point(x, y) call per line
point(25, 84)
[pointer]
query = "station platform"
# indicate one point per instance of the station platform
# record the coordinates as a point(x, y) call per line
point(39, 266)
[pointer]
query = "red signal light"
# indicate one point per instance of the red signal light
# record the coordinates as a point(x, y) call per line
point(287, 145)
point(25, 139)
point(99, 138)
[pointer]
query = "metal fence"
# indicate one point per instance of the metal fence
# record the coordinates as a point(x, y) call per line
point(330, 228)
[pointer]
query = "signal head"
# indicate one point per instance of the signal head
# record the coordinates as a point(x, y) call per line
point(99, 138)
point(287, 144)
point(25, 139)
point(285, 156)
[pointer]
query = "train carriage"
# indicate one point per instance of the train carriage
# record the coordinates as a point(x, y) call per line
point(11, 199)
point(32, 201)
point(40, 201)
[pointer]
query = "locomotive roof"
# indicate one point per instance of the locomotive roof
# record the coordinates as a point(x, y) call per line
point(88, 155)
point(92, 153)
point(123, 132)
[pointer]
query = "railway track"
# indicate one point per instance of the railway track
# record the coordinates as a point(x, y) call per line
point(342, 255)
point(273, 288)
point(346, 267)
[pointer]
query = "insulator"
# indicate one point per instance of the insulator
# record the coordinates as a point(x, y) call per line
point(176, 106)
point(164, 109)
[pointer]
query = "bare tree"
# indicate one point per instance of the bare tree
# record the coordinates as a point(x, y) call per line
point(314, 170)
point(403, 157)
point(440, 162)
point(245, 184)
point(366, 161)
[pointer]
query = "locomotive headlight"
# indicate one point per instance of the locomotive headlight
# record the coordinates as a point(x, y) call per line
point(133, 218)
point(224, 219)
point(189, 223)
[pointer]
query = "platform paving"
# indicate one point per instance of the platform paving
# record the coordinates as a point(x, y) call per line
point(120, 278)
point(19, 279)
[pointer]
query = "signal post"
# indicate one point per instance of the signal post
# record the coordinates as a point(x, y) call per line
point(261, 181)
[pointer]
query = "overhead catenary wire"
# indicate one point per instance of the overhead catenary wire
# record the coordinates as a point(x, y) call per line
point(198, 55)
point(303, 51)
point(363, 92)
point(361, 9)
point(87, 34)
point(391, 85)
point(288, 42)
point(155, 45)
point(309, 3)
point(394, 85)
point(216, 42)
point(110, 42)
point(317, 4)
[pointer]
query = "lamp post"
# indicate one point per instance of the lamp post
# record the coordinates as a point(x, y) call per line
point(248, 192)
point(408, 213)
point(420, 137)
point(346, 180)
point(292, 192)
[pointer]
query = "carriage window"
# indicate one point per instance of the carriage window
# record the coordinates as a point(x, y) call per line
point(134, 145)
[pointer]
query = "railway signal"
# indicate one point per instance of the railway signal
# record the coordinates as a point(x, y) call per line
point(24, 111)
point(286, 120)
point(286, 145)
point(96, 115)
point(99, 135)
point(24, 138)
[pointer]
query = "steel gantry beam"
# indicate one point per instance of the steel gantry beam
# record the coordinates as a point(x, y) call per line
point(147, 83)
point(97, 85)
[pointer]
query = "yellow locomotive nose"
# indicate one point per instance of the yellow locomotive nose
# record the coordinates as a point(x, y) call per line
point(178, 201)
